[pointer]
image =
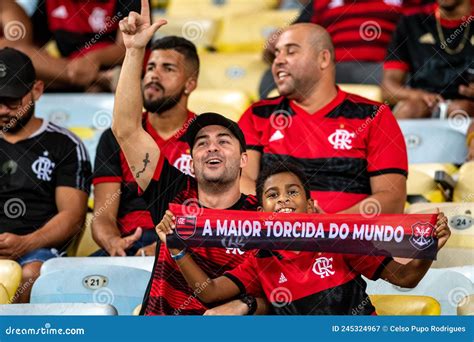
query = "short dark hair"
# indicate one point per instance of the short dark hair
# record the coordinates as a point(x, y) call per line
point(276, 168)
point(181, 45)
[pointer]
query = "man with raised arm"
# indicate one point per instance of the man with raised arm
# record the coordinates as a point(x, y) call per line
point(218, 151)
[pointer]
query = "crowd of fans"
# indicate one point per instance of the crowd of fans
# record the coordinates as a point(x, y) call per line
point(341, 150)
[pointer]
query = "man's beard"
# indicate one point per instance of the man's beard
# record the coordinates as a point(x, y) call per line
point(20, 120)
point(163, 104)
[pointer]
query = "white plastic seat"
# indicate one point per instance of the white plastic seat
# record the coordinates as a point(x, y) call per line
point(58, 309)
point(447, 287)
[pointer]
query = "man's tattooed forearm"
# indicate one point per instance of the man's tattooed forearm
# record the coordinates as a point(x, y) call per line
point(146, 161)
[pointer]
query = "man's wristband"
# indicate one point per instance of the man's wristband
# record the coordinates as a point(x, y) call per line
point(180, 255)
point(251, 303)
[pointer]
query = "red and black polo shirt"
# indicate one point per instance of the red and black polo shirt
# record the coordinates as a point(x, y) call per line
point(340, 147)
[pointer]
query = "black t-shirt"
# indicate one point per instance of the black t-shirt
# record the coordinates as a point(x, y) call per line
point(30, 172)
point(417, 48)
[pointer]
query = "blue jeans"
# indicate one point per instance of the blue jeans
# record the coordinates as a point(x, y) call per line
point(41, 255)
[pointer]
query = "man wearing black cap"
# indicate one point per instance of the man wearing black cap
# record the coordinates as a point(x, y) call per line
point(44, 175)
point(218, 155)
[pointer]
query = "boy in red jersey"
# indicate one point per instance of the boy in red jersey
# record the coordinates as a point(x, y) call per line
point(300, 283)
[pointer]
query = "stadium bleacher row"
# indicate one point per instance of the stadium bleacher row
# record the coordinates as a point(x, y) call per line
point(231, 69)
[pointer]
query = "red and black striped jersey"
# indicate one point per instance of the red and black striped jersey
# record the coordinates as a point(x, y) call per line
point(80, 26)
point(168, 292)
point(111, 167)
point(340, 147)
point(360, 29)
point(310, 283)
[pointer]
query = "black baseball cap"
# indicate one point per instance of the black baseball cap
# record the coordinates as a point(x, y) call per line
point(208, 119)
point(17, 74)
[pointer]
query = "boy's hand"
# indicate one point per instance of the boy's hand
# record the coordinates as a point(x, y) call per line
point(442, 231)
point(166, 226)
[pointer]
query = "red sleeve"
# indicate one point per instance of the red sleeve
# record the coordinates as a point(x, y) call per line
point(245, 276)
point(387, 152)
point(252, 134)
point(369, 266)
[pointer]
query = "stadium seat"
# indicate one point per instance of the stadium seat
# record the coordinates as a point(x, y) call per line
point(201, 31)
point(371, 92)
point(57, 264)
point(58, 309)
point(217, 9)
point(459, 250)
point(258, 26)
point(4, 296)
point(421, 184)
point(90, 114)
point(237, 71)
point(467, 271)
point(447, 287)
point(466, 306)
point(10, 276)
point(464, 190)
point(84, 244)
point(120, 286)
point(399, 305)
point(137, 310)
point(435, 141)
point(230, 103)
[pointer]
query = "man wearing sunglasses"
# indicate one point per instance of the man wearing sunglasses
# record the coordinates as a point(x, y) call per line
point(45, 175)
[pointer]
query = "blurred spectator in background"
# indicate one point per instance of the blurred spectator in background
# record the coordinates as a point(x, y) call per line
point(122, 224)
point(361, 31)
point(44, 175)
point(86, 37)
point(350, 148)
point(470, 142)
point(435, 53)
